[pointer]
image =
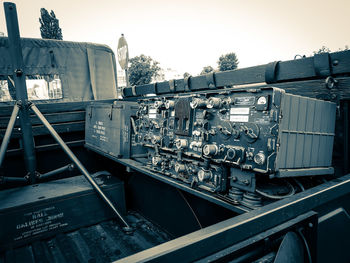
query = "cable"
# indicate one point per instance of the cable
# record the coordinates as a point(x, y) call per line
point(194, 214)
point(133, 125)
point(299, 184)
point(278, 197)
point(306, 245)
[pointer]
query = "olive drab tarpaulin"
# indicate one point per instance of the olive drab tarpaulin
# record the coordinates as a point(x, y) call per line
point(87, 71)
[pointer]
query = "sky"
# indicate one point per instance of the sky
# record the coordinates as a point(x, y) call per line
point(187, 35)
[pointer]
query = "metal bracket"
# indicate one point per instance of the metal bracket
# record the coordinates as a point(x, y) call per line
point(52, 58)
point(331, 82)
point(244, 180)
point(110, 114)
point(210, 77)
point(19, 72)
point(271, 72)
point(133, 90)
point(90, 112)
point(172, 85)
point(187, 82)
point(322, 65)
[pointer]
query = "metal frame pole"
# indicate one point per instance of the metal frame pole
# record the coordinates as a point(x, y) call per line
point(67, 167)
point(78, 164)
point(5, 179)
point(9, 129)
point(19, 78)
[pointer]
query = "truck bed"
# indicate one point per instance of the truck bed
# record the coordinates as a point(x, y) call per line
point(103, 242)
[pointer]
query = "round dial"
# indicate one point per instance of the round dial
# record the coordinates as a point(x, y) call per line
point(262, 101)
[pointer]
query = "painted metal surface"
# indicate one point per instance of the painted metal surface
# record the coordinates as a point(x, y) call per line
point(21, 88)
point(219, 236)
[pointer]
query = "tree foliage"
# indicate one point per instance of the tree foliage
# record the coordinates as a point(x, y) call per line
point(323, 49)
point(186, 74)
point(142, 69)
point(228, 62)
point(49, 25)
point(206, 70)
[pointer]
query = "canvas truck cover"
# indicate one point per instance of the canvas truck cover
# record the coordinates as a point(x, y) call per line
point(87, 71)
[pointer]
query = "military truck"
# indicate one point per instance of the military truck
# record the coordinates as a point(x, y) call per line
point(65, 199)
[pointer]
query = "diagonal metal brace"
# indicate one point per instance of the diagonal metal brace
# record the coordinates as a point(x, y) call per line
point(78, 164)
point(8, 132)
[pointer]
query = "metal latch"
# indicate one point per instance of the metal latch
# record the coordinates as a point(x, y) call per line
point(110, 114)
point(90, 113)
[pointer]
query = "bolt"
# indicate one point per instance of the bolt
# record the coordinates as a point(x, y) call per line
point(234, 178)
point(335, 62)
point(18, 72)
point(246, 182)
point(311, 225)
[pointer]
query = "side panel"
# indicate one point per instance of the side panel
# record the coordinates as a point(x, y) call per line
point(108, 128)
point(306, 133)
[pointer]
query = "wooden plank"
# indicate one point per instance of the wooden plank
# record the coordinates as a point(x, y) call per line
point(41, 130)
point(317, 88)
point(67, 106)
point(47, 147)
point(103, 242)
point(56, 252)
point(41, 252)
point(96, 244)
point(51, 117)
point(82, 250)
point(60, 128)
point(67, 248)
point(346, 134)
point(24, 254)
point(241, 76)
point(292, 70)
point(340, 62)
point(123, 247)
point(54, 107)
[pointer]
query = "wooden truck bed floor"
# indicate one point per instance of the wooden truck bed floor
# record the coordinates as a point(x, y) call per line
point(103, 242)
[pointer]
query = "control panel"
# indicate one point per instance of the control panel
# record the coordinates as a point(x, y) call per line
point(205, 139)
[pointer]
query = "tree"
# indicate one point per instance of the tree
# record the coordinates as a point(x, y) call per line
point(49, 25)
point(323, 49)
point(206, 70)
point(228, 62)
point(186, 74)
point(142, 69)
